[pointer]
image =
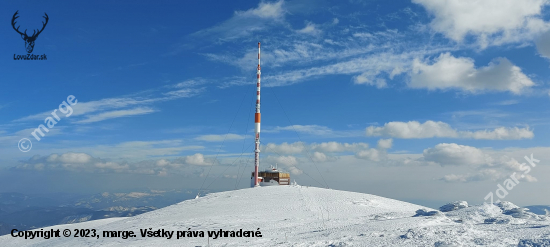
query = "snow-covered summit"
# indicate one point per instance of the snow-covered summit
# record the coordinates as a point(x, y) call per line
point(306, 216)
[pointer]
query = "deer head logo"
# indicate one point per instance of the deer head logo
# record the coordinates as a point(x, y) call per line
point(29, 41)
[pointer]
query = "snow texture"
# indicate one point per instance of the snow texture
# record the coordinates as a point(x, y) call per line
point(309, 216)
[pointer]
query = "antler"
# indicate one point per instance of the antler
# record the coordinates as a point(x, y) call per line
point(13, 22)
point(43, 25)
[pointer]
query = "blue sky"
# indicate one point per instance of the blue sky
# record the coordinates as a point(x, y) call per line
point(392, 99)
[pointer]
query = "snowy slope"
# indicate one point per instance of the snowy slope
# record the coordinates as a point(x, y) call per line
point(308, 216)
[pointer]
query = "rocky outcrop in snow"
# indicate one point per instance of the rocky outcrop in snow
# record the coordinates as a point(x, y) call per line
point(453, 206)
point(424, 212)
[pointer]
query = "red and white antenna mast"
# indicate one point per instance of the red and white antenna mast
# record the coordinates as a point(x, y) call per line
point(257, 121)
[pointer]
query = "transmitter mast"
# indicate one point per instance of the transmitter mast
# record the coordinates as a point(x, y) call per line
point(257, 122)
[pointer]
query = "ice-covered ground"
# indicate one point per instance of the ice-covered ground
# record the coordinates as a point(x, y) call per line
point(308, 216)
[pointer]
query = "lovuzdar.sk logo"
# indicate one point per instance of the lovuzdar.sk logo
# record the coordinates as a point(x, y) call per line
point(29, 40)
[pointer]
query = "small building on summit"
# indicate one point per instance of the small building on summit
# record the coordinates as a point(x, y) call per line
point(271, 176)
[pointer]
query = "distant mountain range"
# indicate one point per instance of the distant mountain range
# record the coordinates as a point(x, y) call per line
point(23, 212)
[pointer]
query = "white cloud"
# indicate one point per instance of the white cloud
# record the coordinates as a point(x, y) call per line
point(370, 154)
point(485, 174)
point(265, 10)
point(310, 29)
point(430, 129)
point(489, 165)
point(302, 52)
point(182, 93)
point(244, 23)
point(135, 150)
point(453, 154)
point(337, 147)
point(500, 133)
point(285, 148)
point(196, 159)
point(219, 138)
point(116, 114)
point(295, 171)
point(70, 158)
point(364, 35)
point(448, 72)
point(529, 178)
point(370, 79)
point(369, 61)
point(289, 161)
point(385, 143)
point(379, 66)
point(191, 83)
point(319, 157)
point(109, 108)
point(491, 21)
point(513, 165)
point(318, 152)
point(82, 108)
point(480, 113)
point(68, 161)
point(308, 129)
point(314, 130)
point(82, 162)
point(376, 58)
point(413, 129)
point(162, 162)
point(370, 67)
point(294, 53)
point(111, 166)
point(284, 160)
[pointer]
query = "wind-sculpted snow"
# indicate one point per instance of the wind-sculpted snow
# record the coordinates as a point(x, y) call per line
point(307, 216)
